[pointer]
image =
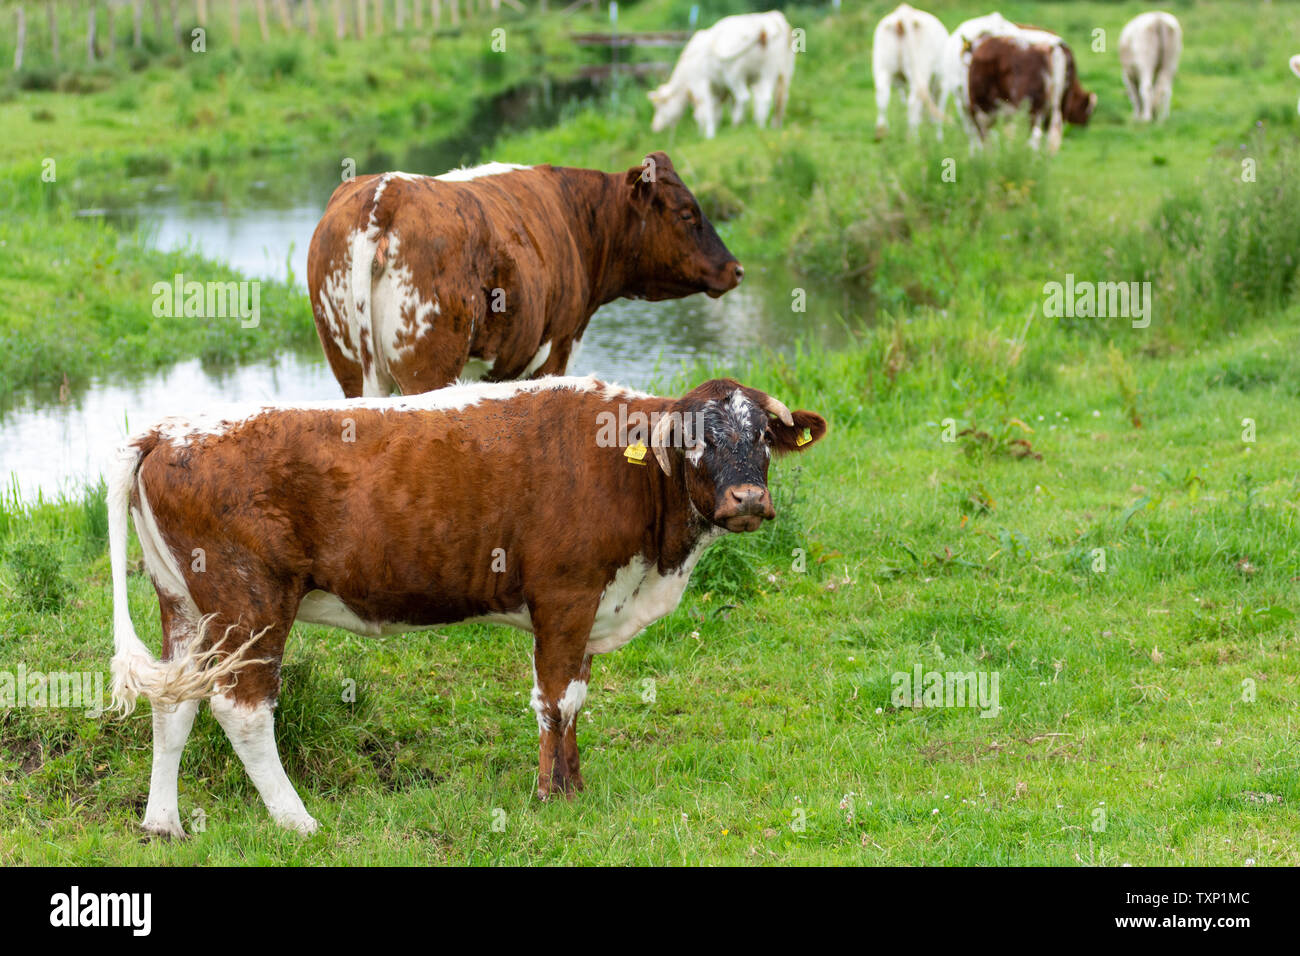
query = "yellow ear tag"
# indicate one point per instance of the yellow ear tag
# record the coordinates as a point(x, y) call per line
point(636, 453)
point(805, 438)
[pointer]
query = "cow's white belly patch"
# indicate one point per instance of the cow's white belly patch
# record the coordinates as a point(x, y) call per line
point(328, 610)
point(637, 597)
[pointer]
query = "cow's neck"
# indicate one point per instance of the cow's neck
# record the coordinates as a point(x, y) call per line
point(679, 527)
point(599, 215)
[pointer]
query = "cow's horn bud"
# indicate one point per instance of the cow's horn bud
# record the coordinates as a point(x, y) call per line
point(659, 440)
point(780, 411)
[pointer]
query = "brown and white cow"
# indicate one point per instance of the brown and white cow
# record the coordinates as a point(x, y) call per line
point(1030, 65)
point(566, 507)
point(495, 271)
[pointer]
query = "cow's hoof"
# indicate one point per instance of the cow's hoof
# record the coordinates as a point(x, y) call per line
point(164, 831)
point(303, 824)
point(565, 790)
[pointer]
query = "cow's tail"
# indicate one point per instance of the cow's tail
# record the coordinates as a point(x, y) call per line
point(191, 673)
point(365, 245)
point(1061, 64)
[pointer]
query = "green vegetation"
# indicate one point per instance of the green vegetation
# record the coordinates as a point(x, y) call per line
point(1105, 516)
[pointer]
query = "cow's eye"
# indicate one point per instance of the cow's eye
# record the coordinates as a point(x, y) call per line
point(687, 215)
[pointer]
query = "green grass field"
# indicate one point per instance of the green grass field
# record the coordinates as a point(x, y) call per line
point(1112, 529)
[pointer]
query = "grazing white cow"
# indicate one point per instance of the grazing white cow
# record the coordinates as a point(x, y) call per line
point(1295, 68)
point(907, 48)
point(749, 57)
point(1149, 48)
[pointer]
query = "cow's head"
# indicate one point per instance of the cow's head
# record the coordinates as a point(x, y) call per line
point(669, 103)
point(673, 249)
point(722, 436)
point(1078, 103)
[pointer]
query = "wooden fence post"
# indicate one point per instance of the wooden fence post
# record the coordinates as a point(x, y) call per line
point(22, 38)
point(234, 22)
point(340, 21)
point(361, 19)
point(176, 21)
point(379, 18)
point(90, 36)
point(201, 13)
point(313, 23)
point(54, 30)
point(137, 23)
point(282, 8)
point(261, 20)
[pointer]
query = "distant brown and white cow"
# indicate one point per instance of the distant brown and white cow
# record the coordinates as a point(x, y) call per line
point(562, 506)
point(1149, 48)
point(1028, 65)
point(495, 271)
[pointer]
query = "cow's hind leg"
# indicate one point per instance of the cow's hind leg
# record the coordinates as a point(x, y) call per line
point(251, 729)
point(171, 728)
point(246, 712)
point(1131, 87)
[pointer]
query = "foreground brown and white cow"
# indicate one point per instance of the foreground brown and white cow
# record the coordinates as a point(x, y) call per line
point(495, 271)
point(1150, 46)
point(1027, 65)
point(562, 506)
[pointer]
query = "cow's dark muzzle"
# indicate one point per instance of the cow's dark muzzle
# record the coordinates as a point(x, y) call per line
point(744, 508)
point(727, 280)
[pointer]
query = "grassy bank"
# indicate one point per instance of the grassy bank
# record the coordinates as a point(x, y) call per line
point(1103, 516)
point(1159, 690)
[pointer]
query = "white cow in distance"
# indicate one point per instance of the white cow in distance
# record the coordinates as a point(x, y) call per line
point(749, 57)
point(908, 47)
point(1295, 68)
point(1149, 48)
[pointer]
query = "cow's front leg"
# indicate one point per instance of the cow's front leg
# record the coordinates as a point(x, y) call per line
point(571, 733)
point(561, 669)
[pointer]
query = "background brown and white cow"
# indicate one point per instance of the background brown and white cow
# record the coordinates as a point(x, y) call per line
point(1033, 66)
point(495, 271)
point(1150, 46)
point(522, 503)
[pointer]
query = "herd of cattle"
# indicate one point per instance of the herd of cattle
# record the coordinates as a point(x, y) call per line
point(987, 65)
point(567, 507)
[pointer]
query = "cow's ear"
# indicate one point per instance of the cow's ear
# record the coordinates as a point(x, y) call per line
point(639, 185)
point(661, 161)
point(1295, 64)
point(807, 430)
